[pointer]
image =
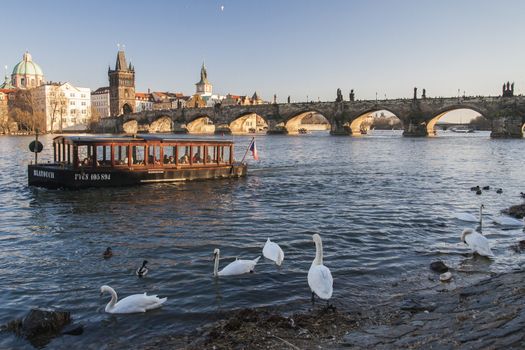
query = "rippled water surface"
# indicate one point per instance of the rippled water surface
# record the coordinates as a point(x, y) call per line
point(383, 204)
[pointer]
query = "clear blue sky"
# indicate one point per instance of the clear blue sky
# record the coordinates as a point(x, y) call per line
point(287, 47)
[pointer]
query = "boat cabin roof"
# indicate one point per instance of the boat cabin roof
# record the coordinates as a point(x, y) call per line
point(126, 139)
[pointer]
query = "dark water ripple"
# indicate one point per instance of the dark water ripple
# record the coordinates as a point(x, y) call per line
point(383, 204)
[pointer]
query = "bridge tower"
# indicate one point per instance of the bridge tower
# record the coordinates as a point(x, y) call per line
point(121, 86)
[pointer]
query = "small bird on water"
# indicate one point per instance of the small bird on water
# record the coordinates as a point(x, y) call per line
point(143, 270)
point(108, 253)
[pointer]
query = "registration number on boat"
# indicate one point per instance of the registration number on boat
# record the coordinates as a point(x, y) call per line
point(92, 177)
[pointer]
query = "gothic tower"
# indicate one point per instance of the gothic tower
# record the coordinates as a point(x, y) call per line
point(204, 87)
point(121, 87)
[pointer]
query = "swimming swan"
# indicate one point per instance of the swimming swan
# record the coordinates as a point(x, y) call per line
point(470, 217)
point(508, 221)
point(477, 242)
point(143, 270)
point(237, 267)
point(272, 251)
point(131, 304)
point(319, 276)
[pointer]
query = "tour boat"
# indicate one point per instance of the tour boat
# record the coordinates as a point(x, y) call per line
point(100, 161)
point(462, 129)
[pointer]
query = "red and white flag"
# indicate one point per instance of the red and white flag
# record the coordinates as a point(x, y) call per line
point(253, 148)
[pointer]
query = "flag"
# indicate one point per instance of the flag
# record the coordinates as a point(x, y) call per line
point(253, 148)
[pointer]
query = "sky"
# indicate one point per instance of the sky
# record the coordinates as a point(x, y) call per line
point(300, 48)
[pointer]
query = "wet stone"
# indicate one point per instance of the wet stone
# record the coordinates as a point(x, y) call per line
point(438, 266)
point(362, 339)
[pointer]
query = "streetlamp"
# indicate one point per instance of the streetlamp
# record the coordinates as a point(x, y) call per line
point(376, 97)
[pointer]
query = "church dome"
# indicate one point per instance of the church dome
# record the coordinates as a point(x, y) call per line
point(27, 67)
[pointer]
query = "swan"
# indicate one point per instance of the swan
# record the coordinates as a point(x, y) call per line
point(272, 251)
point(477, 242)
point(131, 304)
point(143, 270)
point(508, 221)
point(237, 267)
point(471, 217)
point(319, 276)
point(108, 253)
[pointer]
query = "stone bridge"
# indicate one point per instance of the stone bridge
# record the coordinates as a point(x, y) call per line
point(507, 115)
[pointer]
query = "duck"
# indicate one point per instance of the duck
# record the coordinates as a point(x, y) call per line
point(478, 192)
point(132, 304)
point(237, 267)
point(499, 191)
point(476, 242)
point(475, 188)
point(508, 221)
point(319, 276)
point(108, 253)
point(272, 251)
point(471, 217)
point(522, 195)
point(143, 270)
point(486, 188)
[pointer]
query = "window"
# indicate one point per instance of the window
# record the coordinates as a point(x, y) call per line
point(83, 111)
point(137, 155)
point(83, 95)
point(71, 103)
point(72, 95)
point(83, 103)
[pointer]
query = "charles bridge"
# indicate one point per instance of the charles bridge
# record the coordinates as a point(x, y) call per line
point(418, 115)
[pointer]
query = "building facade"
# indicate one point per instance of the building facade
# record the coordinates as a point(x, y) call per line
point(62, 106)
point(121, 86)
point(143, 101)
point(27, 74)
point(100, 102)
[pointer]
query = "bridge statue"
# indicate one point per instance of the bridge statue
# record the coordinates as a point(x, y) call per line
point(415, 93)
point(352, 95)
point(339, 97)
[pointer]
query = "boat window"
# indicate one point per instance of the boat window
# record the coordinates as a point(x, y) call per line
point(103, 155)
point(224, 154)
point(184, 153)
point(169, 154)
point(154, 155)
point(84, 155)
point(120, 154)
point(211, 154)
point(137, 155)
point(198, 154)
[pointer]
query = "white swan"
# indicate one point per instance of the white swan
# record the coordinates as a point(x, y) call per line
point(131, 304)
point(508, 221)
point(319, 276)
point(470, 217)
point(477, 242)
point(237, 267)
point(143, 270)
point(272, 251)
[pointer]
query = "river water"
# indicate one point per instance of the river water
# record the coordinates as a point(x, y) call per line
point(383, 204)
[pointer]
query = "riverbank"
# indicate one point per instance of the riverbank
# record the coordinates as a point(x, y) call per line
point(489, 314)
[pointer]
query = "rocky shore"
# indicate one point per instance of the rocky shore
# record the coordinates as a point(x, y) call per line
point(487, 315)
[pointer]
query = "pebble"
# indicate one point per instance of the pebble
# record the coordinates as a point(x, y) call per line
point(445, 277)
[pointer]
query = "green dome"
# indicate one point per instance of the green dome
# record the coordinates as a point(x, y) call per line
point(27, 67)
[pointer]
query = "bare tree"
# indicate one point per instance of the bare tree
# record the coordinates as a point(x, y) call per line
point(93, 119)
point(22, 112)
point(57, 105)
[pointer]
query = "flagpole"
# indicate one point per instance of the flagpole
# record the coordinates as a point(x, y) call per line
point(247, 149)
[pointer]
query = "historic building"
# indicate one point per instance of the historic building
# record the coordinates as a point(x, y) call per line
point(143, 101)
point(63, 106)
point(204, 87)
point(27, 74)
point(100, 101)
point(122, 86)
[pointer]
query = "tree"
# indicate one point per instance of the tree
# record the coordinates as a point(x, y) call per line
point(481, 123)
point(93, 119)
point(22, 112)
point(57, 106)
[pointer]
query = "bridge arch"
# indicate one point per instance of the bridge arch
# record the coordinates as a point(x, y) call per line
point(248, 123)
point(130, 126)
point(162, 124)
point(364, 121)
point(442, 113)
point(295, 125)
point(202, 124)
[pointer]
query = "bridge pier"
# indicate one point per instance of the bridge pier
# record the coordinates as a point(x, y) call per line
point(415, 129)
point(510, 127)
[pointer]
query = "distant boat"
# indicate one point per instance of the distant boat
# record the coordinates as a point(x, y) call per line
point(462, 129)
point(302, 131)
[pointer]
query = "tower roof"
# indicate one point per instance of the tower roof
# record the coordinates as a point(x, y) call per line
point(121, 62)
point(27, 66)
point(204, 75)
